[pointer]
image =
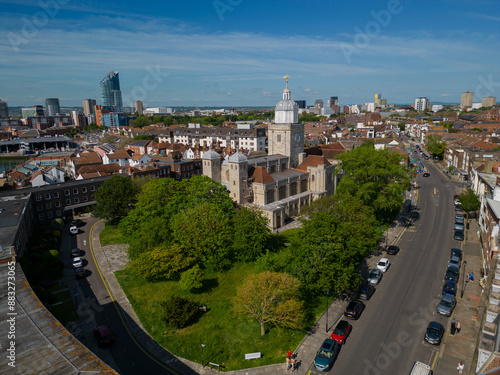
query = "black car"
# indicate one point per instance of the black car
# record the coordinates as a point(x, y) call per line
point(426, 174)
point(77, 223)
point(392, 250)
point(434, 333)
point(459, 235)
point(354, 309)
point(452, 273)
point(456, 253)
point(75, 252)
point(79, 272)
point(366, 292)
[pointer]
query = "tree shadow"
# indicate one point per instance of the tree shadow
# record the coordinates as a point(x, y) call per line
point(208, 285)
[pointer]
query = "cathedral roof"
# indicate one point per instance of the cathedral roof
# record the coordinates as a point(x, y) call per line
point(237, 157)
point(313, 161)
point(261, 176)
point(210, 155)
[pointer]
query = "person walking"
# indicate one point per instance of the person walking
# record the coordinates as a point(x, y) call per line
point(460, 367)
point(288, 363)
point(471, 276)
point(292, 360)
point(289, 353)
point(458, 326)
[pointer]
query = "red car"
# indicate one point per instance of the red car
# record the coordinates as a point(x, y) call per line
point(104, 336)
point(341, 332)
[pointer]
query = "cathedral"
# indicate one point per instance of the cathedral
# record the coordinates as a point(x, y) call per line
point(281, 182)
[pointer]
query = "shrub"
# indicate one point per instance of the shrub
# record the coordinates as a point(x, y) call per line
point(179, 312)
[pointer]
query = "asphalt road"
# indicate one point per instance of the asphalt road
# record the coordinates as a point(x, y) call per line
point(127, 354)
point(388, 337)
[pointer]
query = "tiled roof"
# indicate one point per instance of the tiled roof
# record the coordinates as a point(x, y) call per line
point(119, 154)
point(260, 175)
point(313, 161)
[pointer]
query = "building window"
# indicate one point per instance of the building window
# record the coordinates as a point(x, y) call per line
point(50, 215)
point(77, 200)
point(75, 191)
point(49, 206)
point(68, 202)
point(47, 195)
point(38, 198)
point(278, 138)
point(57, 204)
point(85, 198)
point(92, 197)
point(39, 207)
point(58, 213)
point(84, 190)
point(41, 216)
point(56, 194)
point(66, 193)
point(92, 188)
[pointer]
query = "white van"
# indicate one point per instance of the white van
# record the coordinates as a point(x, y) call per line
point(420, 368)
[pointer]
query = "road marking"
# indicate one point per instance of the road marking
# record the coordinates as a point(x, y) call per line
point(115, 304)
point(434, 361)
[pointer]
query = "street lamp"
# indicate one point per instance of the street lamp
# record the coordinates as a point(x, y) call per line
point(202, 357)
point(327, 291)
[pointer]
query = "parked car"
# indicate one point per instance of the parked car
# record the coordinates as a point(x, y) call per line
point(459, 226)
point(375, 276)
point(354, 309)
point(341, 331)
point(456, 253)
point(77, 262)
point(79, 272)
point(449, 287)
point(75, 252)
point(426, 174)
point(454, 261)
point(326, 355)
point(73, 229)
point(76, 223)
point(434, 333)
point(104, 336)
point(392, 249)
point(459, 217)
point(366, 292)
point(459, 235)
point(383, 264)
point(452, 273)
point(446, 305)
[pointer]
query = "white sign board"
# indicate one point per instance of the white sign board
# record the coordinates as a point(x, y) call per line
point(253, 355)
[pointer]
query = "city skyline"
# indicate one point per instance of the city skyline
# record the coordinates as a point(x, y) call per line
point(235, 53)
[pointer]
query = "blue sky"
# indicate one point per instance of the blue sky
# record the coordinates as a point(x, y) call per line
point(235, 52)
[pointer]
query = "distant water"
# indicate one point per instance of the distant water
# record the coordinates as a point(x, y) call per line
point(9, 163)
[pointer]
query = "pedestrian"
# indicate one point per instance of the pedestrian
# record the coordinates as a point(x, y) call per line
point(292, 360)
point(289, 353)
point(471, 276)
point(458, 326)
point(288, 363)
point(460, 367)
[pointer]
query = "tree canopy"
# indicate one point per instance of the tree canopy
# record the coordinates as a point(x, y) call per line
point(271, 298)
point(114, 198)
point(436, 145)
point(469, 201)
point(377, 177)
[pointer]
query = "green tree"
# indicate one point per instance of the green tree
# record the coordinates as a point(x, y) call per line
point(115, 198)
point(192, 278)
point(205, 229)
point(271, 298)
point(164, 262)
point(341, 231)
point(436, 145)
point(179, 312)
point(251, 235)
point(402, 126)
point(377, 177)
point(469, 201)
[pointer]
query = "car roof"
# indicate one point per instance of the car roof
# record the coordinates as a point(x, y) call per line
point(328, 344)
point(435, 325)
point(450, 282)
point(342, 324)
point(448, 297)
point(455, 250)
point(455, 258)
point(384, 260)
point(103, 329)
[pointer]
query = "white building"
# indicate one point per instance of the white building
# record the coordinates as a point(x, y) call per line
point(159, 111)
point(421, 103)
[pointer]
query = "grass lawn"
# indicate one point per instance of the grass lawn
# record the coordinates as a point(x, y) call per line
point(111, 235)
point(226, 337)
point(65, 312)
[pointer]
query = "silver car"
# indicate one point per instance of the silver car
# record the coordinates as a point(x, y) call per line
point(458, 225)
point(446, 305)
point(375, 276)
